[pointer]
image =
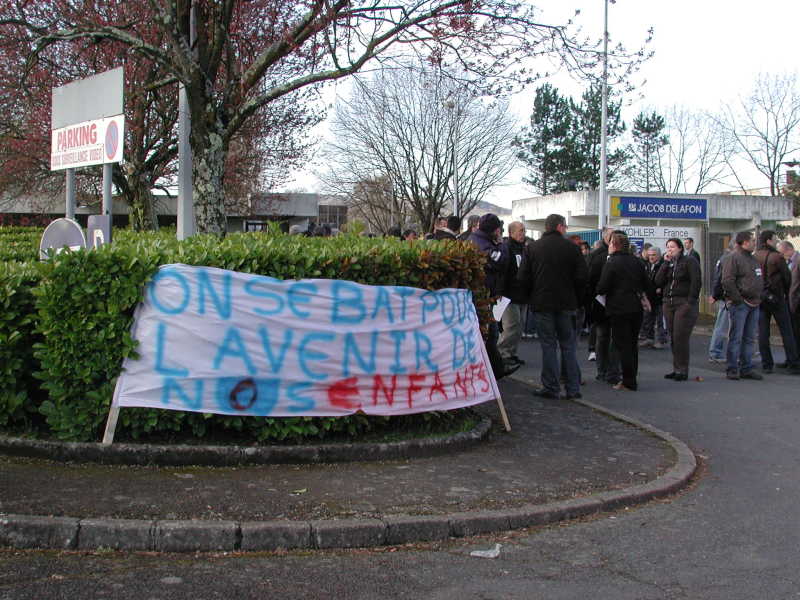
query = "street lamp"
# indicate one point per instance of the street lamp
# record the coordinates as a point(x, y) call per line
point(602, 201)
point(453, 106)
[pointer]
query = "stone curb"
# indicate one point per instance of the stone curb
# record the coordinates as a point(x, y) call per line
point(28, 531)
point(231, 456)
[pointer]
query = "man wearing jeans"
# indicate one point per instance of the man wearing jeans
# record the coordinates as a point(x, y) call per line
point(742, 282)
point(555, 273)
point(716, 347)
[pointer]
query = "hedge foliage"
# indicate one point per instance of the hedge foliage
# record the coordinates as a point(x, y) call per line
point(19, 244)
point(84, 301)
point(17, 337)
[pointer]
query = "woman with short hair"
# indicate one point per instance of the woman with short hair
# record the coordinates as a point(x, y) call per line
point(680, 283)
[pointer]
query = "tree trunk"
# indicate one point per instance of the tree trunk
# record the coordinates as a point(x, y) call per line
point(142, 210)
point(209, 149)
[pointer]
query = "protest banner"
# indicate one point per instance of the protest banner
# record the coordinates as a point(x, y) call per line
point(224, 342)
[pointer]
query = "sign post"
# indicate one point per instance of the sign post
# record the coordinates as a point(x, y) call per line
point(88, 128)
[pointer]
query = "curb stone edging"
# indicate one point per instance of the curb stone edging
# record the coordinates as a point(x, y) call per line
point(231, 456)
point(28, 531)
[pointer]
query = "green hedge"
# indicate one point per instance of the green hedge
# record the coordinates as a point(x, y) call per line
point(85, 306)
point(18, 389)
point(19, 244)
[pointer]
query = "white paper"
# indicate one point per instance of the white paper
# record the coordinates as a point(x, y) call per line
point(601, 299)
point(500, 308)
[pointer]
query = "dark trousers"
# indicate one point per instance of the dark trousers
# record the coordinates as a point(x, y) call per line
point(796, 327)
point(624, 336)
point(498, 366)
point(780, 312)
point(608, 366)
point(681, 319)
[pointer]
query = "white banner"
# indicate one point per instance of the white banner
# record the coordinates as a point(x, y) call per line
point(218, 341)
point(88, 143)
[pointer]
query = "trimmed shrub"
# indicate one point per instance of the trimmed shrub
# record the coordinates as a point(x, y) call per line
point(18, 389)
point(19, 244)
point(85, 309)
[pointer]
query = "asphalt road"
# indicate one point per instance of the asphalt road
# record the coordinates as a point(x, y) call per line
point(733, 535)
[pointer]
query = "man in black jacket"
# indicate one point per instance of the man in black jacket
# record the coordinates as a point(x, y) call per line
point(488, 239)
point(555, 272)
point(609, 368)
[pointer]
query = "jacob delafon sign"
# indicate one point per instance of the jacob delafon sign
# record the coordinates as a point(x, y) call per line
point(649, 207)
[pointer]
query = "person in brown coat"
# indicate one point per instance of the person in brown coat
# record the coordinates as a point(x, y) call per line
point(774, 304)
point(794, 300)
point(743, 283)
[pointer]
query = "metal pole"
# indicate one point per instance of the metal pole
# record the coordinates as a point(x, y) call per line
point(602, 201)
point(185, 204)
point(456, 199)
point(70, 208)
point(108, 207)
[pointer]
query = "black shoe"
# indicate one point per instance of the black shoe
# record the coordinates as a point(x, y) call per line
point(511, 369)
point(752, 375)
point(680, 377)
point(517, 359)
point(767, 370)
point(794, 370)
point(546, 394)
point(573, 396)
point(732, 375)
point(783, 365)
point(670, 375)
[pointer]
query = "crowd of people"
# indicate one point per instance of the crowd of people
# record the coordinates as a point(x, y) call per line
point(625, 298)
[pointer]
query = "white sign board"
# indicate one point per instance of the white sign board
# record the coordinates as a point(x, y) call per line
point(658, 236)
point(217, 341)
point(94, 97)
point(89, 143)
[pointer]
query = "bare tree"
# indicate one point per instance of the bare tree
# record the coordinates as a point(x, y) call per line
point(438, 147)
point(697, 155)
point(764, 125)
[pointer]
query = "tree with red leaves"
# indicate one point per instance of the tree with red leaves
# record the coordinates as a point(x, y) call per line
point(263, 152)
point(248, 55)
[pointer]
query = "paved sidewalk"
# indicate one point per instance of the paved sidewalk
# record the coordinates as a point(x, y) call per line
point(561, 459)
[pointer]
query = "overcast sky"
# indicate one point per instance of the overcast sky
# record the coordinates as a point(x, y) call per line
point(706, 52)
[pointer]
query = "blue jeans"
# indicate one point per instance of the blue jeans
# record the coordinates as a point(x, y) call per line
point(716, 348)
point(557, 329)
point(530, 323)
point(742, 336)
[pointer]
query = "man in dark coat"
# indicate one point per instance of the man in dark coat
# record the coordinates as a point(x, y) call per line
point(450, 231)
point(778, 281)
point(488, 239)
point(609, 368)
point(555, 272)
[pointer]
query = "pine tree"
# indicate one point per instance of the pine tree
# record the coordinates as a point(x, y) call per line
point(543, 147)
point(648, 139)
point(585, 142)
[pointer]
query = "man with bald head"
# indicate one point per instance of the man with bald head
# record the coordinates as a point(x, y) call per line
point(513, 316)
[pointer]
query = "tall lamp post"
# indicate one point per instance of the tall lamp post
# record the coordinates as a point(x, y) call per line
point(453, 106)
point(602, 200)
